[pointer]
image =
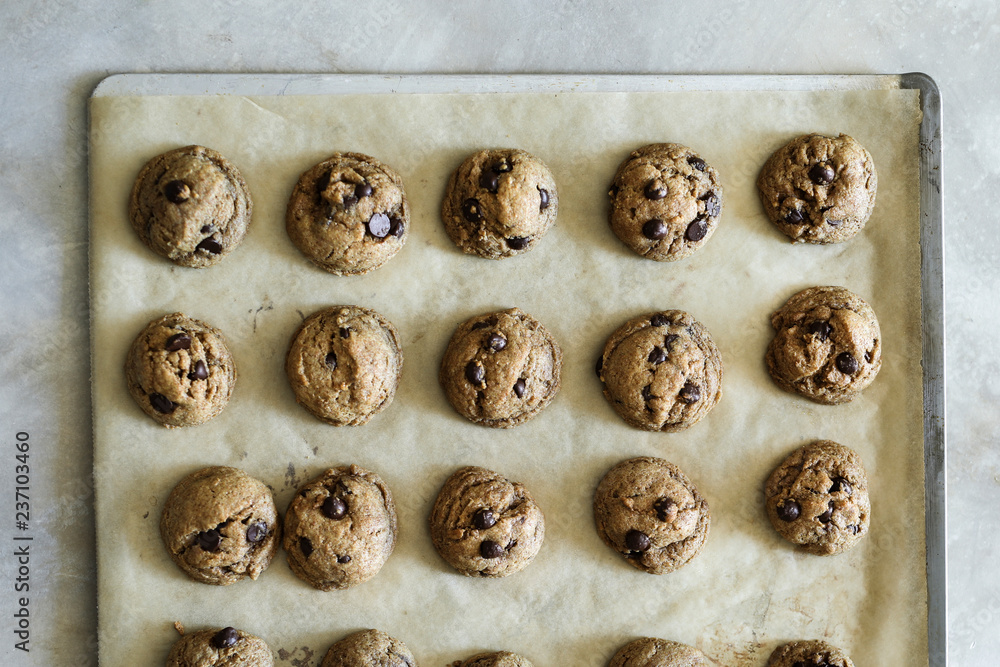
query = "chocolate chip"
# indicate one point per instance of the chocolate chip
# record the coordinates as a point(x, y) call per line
point(668, 341)
point(489, 181)
point(475, 373)
point(396, 226)
point(305, 546)
point(502, 167)
point(179, 341)
point(484, 519)
point(657, 356)
point(363, 190)
point(331, 361)
point(471, 210)
point(517, 242)
point(820, 328)
point(543, 199)
point(659, 320)
point(664, 508)
point(690, 393)
point(696, 230)
point(496, 342)
point(655, 190)
point(712, 205)
point(161, 403)
point(846, 363)
point(334, 508)
point(349, 201)
point(519, 388)
point(789, 510)
point(834, 223)
point(826, 516)
point(256, 532)
point(697, 163)
point(210, 245)
point(225, 638)
point(207, 229)
point(344, 559)
point(636, 540)
point(654, 230)
point(794, 217)
point(378, 225)
point(200, 371)
point(841, 485)
point(344, 332)
point(647, 392)
point(177, 192)
point(209, 540)
point(821, 174)
point(490, 549)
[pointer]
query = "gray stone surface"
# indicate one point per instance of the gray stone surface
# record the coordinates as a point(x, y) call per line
point(53, 52)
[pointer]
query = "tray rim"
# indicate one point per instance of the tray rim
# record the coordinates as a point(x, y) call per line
point(931, 212)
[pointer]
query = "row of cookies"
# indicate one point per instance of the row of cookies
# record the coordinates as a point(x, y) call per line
point(216, 646)
point(660, 371)
point(349, 214)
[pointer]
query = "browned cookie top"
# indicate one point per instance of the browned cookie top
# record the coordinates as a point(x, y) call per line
point(216, 647)
point(827, 345)
point(653, 652)
point(819, 189)
point(348, 214)
point(369, 648)
point(665, 201)
point(497, 659)
point(499, 203)
point(809, 653)
point(818, 498)
point(190, 205)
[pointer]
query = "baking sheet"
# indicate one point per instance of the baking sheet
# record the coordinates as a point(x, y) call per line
point(577, 603)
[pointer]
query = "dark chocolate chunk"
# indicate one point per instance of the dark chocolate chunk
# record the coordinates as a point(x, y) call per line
point(475, 373)
point(789, 510)
point(334, 508)
point(664, 507)
point(647, 392)
point(177, 192)
point(820, 328)
point(821, 174)
point(657, 356)
point(363, 190)
point(349, 201)
point(225, 638)
point(379, 225)
point(696, 230)
point(209, 540)
point(636, 540)
point(210, 245)
point(200, 371)
point(179, 341)
point(660, 320)
point(794, 217)
point(655, 190)
point(161, 403)
point(697, 163)
point(256, 532)
point(519, 388)
point(654, 229)
point(712, 205)
point(489, 181)
point(344, 332)
point(471, 210)
point(543, 199)
point(207, 229)
point(305, 546)
point(668, 341)
point(826, 516)
point(484, 519)
point(344, 559)
point(834, 223)
point(690, 393)
point(396, 226)
point(841, 485)
point(502, 167)
point(517, 242)
point(846, 363)
point(496, 342)
point(331, 361)
point(490, 549)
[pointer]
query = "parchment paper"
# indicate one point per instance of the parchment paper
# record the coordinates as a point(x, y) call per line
point(578, 602)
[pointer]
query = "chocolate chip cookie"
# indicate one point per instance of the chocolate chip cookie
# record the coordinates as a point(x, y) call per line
point(340, 528)
point(501, 369)
point(179, 371)
point(372, 648)
point(665, 202)
point(819, 189)
point(498, 659)
point(499, 203)
point(827, 345)
point(661, 371)
point(485, 525)
point(818, 498)
point(190, 205)
point(220, 646)
point(344, 364)
point(348, 214)
point(220, 525)
point(653, 652)
point(811, 653)
point(647, 510)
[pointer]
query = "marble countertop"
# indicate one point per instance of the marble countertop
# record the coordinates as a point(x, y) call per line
point(55, 52)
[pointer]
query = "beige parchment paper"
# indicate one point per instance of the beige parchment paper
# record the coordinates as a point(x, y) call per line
point(578, 602)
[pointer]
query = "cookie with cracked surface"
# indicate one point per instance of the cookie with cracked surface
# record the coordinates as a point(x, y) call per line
point(647, 510)
point(809, 653)
point(665, 202)
point(179, 371)
point(220, 525)
point(501, 368)
point(819, 189)
point(344, 364)
point(485, 525)
point(655, 652)
point(348, 214)
point(818, 498)
point(220, 646)
point(190, 205)
point(497, 659)
point(499, 203)
point(369, 648)
point(340, 528)
point(661, 371)
point(827, 345)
